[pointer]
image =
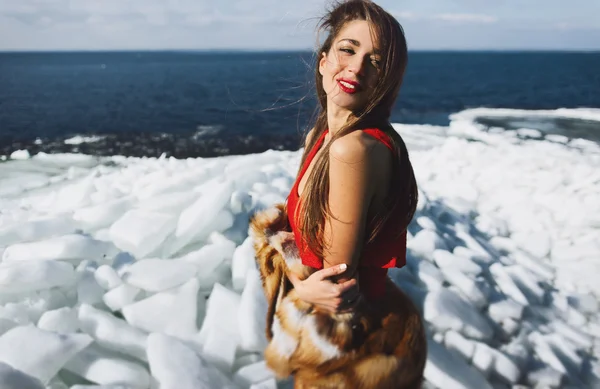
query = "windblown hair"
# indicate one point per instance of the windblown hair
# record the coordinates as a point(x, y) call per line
point(401, 201)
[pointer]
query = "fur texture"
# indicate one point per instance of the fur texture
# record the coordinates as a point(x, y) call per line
point(381, 344)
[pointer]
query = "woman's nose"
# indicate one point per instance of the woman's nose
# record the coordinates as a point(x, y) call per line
point(357, 65)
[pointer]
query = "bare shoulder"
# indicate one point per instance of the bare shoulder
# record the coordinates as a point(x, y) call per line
point(358, 147)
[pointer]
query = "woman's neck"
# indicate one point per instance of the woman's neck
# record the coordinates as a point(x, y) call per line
point(336, 118)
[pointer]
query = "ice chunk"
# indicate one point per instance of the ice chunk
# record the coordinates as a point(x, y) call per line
point(6, 324)
point(176, 366)
point(445, 259)
point(584, 303)
point(504, 367)
point(240, 202)
point(221, 275)
point(73, 248)
point(20, 154)
point(103, 367)
point(63, 320)
point(252, 314)
point(242, 360)
point(445, 310)
point(157, 275)
point(507, 285)
point(88, 290)
point(504, 309)
point(219, 349)
point(454, 341)
point(535, 243)
point(245, 177)
point(172, 312)
point(253, 374)
point(152, 187)
point(102, 215)
point(430, 275)
point(112, 333)
point(566, 352)
point(504, 245)
point(122, 295)
point(243, 260)
point(170, 202)
point(483, 358)
point(425, 242)
point(209, 257)
point(11, 378)
point(545, 378)
point(526, 281)
point(467, 285)
point(38, 353)
point(575, 318)
point(445, 371)
point(36, 229)
point(545, 352)
point(221, 313)
point(473, 249)
point(24, 276)
point(75, 195)
point(480, 257)
point(142, 232)
point(17, 312)
point(32, 306)
point(426, 223)
point(201, 215)
point(271, 383)
point(542, 269)
point(107, 277)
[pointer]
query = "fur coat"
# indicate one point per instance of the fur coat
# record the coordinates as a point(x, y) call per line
point(380, 345)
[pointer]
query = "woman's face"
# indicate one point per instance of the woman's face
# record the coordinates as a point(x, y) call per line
point(351, 67)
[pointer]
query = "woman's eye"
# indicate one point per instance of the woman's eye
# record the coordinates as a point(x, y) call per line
point(346, 50)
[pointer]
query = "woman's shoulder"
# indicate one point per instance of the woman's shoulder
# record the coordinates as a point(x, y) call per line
point(359, 146)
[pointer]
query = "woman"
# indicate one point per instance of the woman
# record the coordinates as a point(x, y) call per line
point(348, 210)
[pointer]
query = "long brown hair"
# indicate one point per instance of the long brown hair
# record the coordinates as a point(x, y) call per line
point(401, 201)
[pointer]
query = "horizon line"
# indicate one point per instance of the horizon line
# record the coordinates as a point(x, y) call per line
point(299, 50)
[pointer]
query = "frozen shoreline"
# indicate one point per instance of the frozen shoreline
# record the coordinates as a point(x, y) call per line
point(120, 253)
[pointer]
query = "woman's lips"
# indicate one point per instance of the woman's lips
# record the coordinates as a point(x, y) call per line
point(348, 86)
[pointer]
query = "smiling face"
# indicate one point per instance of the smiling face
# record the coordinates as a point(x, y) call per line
point(350, 69)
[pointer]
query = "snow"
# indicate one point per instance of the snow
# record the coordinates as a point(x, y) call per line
point(139, 273)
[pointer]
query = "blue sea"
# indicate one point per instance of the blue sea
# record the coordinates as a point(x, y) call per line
point(189, 104)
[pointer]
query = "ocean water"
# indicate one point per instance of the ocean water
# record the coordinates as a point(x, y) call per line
point(190, 104)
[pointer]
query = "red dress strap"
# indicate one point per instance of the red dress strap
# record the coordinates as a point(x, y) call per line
point(381, 136)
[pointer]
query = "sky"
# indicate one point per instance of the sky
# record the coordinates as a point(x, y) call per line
point(289, 24)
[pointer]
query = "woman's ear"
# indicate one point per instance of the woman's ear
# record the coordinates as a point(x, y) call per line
point(322, 62)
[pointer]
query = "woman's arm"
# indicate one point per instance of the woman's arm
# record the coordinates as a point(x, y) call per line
point(351, 188)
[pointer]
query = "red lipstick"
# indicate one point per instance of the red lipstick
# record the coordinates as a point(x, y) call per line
point(348, 86)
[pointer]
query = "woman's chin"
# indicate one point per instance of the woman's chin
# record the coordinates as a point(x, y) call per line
point(347, 104)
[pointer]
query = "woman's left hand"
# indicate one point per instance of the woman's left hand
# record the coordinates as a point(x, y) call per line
point(321, 291)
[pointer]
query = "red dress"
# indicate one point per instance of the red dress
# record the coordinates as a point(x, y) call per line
point(386, 251)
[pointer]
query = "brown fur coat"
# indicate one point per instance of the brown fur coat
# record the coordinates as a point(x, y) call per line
point(380, 345)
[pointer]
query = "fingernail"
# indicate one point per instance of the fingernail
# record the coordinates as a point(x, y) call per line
point(343, 266)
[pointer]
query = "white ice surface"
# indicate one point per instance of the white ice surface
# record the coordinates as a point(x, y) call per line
point(176, 366)
point(11, 378)
point(39, 353)
point(503, 257)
